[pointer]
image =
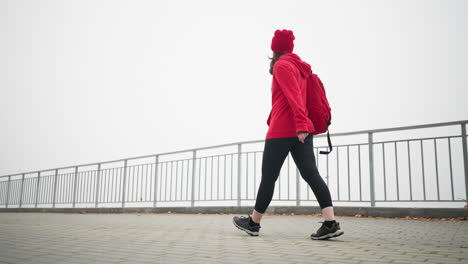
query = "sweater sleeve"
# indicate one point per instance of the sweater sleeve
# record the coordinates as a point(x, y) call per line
point(288, 84)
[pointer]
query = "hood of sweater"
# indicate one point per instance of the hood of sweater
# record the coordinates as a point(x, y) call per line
point(304, 67)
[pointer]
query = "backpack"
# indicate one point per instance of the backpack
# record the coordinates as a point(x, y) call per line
point(319, 111)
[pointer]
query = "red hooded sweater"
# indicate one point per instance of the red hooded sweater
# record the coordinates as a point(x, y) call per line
point(288, 115)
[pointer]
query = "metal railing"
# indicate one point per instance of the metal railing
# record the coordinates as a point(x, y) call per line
point(402, 169)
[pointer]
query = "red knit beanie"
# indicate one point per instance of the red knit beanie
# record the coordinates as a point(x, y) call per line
point(283, 41)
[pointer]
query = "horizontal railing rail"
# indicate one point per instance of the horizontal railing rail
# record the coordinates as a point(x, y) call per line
point(396, 168)
point(257, 141)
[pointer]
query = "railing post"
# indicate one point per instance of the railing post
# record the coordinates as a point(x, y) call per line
point(239, 172)
point(124, 183)
point(194, 165)
point(298, 189)
point(97, 184)
point(465, 159)
point(8, 191)
point(37, 188)
point(74, 186)
point(55, 188)
point(21, 191)
point(371, 168)
point(156, 164)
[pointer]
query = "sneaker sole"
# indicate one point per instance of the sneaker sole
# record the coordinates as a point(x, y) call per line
point(246, 230)
point(330, 235)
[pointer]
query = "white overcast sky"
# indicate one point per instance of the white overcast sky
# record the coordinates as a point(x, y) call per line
point(88, 81)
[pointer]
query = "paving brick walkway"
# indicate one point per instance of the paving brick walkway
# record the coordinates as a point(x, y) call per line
point(210, 238)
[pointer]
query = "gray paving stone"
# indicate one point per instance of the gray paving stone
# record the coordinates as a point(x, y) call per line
point(204, 238)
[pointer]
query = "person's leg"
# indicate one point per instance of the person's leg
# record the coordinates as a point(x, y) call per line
point(304, 157)
point(275, 152)
point(328, 213)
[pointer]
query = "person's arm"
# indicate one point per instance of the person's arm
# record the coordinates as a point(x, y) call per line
point(268, 120)
point(285, 76)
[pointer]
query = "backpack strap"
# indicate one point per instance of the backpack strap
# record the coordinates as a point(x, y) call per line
point(329, 145)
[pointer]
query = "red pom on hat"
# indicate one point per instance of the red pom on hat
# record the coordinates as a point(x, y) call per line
point(282, 41)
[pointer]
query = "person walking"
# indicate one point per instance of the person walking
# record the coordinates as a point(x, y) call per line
point(290, 130)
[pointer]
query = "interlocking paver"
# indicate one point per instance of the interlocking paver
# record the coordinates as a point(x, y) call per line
point(211, 238)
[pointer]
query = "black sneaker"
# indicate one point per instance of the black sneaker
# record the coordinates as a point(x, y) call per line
point(325, 232)
point(243, 224)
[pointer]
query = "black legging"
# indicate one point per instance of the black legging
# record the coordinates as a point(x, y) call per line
point(275, 152)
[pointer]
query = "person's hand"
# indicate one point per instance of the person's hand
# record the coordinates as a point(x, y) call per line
point(302, 136)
